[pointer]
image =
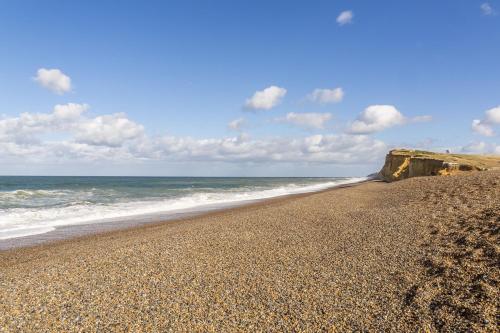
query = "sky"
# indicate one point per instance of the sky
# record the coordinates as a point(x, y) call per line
point(243, 88)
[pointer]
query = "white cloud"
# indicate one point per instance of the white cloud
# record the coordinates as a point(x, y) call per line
point(345, 17)
point(335, 149)
point(237, 124)
point(376, 118)
point(481, 128)
point(486, 9)
point(485, 126)
point(341, 149)
point(116, 138)
point(54, 80)
point(266, 99)
point(308, 120)
point(325, 96)
point(493, 115)
point(108, 130)
point(70, 110)
point(27, 126)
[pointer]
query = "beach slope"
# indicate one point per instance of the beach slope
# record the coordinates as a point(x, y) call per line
point(421, 253)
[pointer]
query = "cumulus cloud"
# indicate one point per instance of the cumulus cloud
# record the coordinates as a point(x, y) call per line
point(54, 80)
point(493, 115)
point(114, 137)
point(308, 120)
point(485, 126)
point(70, 110)
point(266, 99)
point(27, 126)
point(486, 9)
point(376, 118)
point(325, 96)
point(237, 124)
point(345, 17)
point(482, 128)
point(107, 130)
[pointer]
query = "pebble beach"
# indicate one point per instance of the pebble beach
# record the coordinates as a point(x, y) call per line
point(416, 255)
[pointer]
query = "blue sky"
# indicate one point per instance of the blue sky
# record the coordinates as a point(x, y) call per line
point(154, 85)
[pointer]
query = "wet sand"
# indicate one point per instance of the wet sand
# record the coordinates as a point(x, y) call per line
point(417, 254)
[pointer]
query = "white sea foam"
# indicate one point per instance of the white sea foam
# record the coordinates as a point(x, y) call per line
point(20, 222)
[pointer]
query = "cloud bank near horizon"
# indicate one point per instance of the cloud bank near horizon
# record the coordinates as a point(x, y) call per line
point(69, 133)
point(115, 137)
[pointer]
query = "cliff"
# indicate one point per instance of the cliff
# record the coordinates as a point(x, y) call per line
point(403, 163)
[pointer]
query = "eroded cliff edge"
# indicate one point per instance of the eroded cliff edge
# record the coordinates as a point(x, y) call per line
point(404, 163)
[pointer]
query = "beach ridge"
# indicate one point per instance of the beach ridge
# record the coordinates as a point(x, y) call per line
point(365, 257)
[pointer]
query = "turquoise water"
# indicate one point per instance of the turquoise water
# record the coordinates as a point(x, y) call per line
point(35, 205)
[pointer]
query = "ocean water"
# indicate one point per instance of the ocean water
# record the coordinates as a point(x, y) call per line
point(36, 205)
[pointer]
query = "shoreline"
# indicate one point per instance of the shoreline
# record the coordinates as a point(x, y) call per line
point(77, 231)
point(415, 255)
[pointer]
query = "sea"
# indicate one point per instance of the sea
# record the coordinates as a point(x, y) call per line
point(38, 205)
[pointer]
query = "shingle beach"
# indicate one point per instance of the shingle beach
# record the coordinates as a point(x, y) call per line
point(419, 254)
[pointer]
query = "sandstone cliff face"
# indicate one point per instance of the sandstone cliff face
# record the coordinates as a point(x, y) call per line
point(402, 164)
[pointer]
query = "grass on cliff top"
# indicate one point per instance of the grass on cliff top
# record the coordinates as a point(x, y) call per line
point(483, 161)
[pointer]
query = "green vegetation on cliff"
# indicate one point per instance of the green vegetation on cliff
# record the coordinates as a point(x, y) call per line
point(405, 163)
